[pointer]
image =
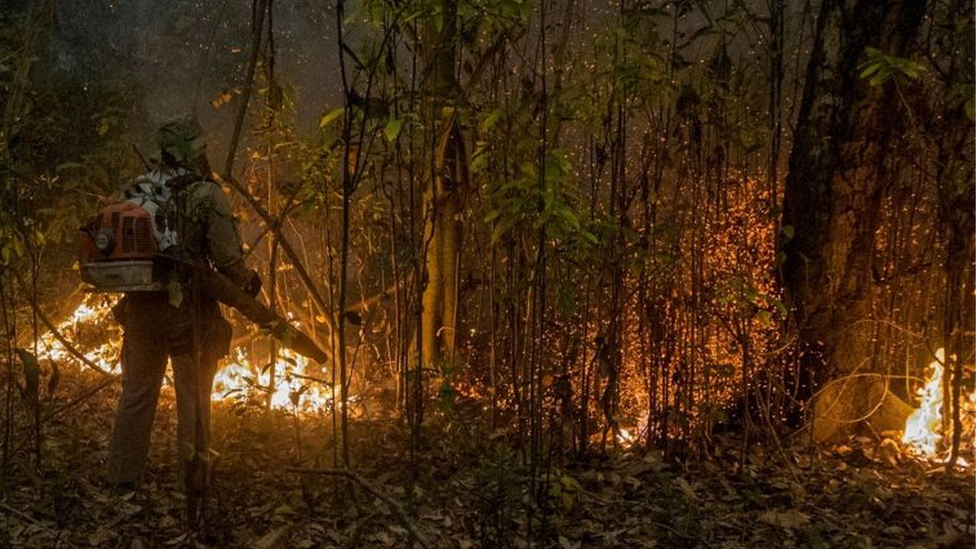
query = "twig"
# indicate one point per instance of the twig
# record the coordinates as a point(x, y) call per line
point(392, 503)
point(37, 523)
point(261, 7)
point(282, 241)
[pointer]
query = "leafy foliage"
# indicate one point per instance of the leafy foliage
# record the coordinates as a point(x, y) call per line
point(878, 67)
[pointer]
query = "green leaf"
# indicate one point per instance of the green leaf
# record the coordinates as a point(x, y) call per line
point(491, 119)
point(879, 67)
point(330, 117)
point(787, 231)
point(589, 237)
point(32, 371)
point(571, 484)
point(492, 215)
point(392, 129)
point(765, 318)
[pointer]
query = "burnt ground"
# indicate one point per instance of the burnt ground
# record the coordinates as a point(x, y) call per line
point(470, 490)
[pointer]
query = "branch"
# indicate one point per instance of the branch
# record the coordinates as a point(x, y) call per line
point(38, 19)
point(261, 9)
point(68, 346)
point(392, 503)
point(69, 405)
point(285, 244)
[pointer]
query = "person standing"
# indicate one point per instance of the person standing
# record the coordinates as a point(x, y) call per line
point(195, 229)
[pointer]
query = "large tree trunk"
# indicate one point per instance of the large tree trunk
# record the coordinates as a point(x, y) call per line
point(833, 196)
point(445, 180)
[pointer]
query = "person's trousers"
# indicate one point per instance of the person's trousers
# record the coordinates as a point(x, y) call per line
point(143, 367)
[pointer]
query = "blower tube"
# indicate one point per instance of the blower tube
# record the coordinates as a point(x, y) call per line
point(228, 293)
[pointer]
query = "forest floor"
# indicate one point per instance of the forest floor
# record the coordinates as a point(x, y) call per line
point(470, 491)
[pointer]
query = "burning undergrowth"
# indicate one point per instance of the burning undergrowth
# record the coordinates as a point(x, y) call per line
point(929, 428)
point(284, 380)
point(263, 375)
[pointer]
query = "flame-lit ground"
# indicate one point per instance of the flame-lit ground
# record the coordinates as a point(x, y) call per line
point(298, 384)
point(293, 383)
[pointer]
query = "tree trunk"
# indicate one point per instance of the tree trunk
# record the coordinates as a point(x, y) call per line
point(444, 183)
point(833, 196)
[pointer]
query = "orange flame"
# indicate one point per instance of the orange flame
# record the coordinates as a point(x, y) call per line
point(298, 383)
point(91, 312)
point(923, 429)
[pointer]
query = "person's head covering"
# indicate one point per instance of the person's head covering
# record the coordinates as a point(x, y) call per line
point(182, 138)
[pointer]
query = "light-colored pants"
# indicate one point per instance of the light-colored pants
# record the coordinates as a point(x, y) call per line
point(143, 366)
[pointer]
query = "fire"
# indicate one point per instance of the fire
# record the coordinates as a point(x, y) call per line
point(298, 383)
point(924, 427)
point(625, 438)
point(923, 430)
point(93, 313)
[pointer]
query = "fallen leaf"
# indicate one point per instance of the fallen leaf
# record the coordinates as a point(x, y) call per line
point(790, 520)
point(272, 539)
point(685, 488)
point(384, 538)
point(101, 537)
point(566, 544)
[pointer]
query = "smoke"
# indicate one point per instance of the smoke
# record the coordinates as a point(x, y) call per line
point(177, 56)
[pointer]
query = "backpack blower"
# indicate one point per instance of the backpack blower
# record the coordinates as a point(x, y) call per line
point(119, 251)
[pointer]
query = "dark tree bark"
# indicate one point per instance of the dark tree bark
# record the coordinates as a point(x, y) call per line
point(834, 190)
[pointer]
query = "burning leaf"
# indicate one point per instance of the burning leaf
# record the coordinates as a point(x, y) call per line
point(224, 98)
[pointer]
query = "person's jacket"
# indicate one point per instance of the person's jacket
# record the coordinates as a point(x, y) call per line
point(207, 237)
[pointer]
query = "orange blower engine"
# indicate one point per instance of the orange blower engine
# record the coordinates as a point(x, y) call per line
point(117, 250)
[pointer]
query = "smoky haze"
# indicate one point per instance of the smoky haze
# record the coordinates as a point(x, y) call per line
point(177, 56)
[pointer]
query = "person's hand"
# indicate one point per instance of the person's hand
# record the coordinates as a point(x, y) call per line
point(253, 284)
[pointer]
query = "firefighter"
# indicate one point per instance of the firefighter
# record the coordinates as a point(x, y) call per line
point(181, 324)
